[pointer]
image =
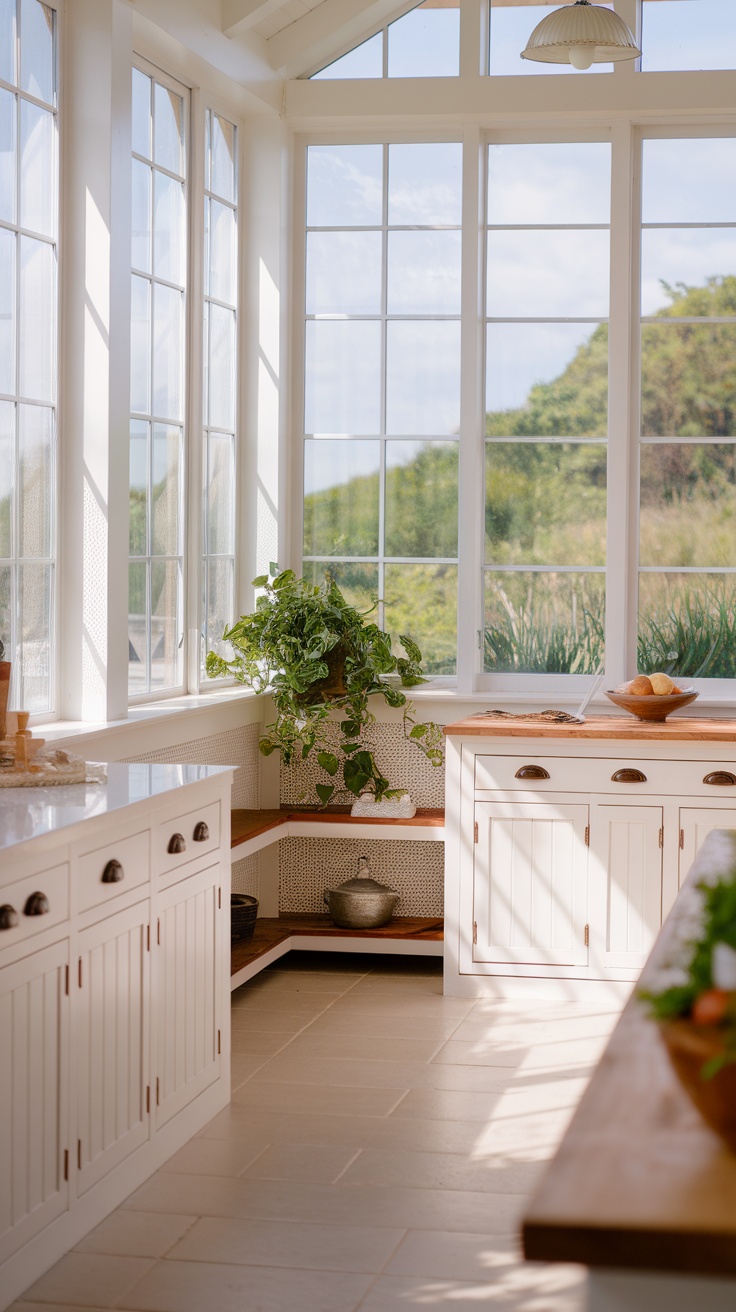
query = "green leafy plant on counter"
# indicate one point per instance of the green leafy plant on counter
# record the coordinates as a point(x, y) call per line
point(318, 655)
point(701, 997)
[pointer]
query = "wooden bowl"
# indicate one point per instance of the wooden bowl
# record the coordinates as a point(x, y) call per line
point(652, 707)
point(689, 1047)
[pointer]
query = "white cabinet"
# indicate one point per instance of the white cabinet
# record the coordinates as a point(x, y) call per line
point(627, 843)
point(530, 883)
point(695, 825)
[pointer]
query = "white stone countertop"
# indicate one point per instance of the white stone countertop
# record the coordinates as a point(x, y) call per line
point(34, 812)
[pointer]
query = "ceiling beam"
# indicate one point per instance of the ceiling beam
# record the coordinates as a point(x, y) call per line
point(239, 15)
point(333, 24)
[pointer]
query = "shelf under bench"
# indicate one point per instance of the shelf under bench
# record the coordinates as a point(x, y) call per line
point(253, 830)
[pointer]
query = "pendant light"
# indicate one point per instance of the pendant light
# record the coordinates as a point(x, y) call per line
point(581, 34)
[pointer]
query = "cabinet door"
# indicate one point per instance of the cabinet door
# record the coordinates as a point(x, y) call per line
point(530, 884)
point(112, 1042)
point(695, 825)
point(34, 1074)
point(188, 997)
point(627, 843)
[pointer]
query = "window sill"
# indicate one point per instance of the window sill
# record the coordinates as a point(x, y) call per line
point(171, 712)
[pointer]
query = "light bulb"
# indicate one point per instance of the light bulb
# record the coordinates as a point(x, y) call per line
point(581, 56)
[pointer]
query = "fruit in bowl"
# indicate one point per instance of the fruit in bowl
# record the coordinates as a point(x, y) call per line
point(651, 696)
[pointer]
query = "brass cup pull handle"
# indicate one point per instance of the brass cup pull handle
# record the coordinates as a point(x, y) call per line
point(113, 872)
point(177, 843)
point(628, 776)
point(531, 772)
point(722, 777)
point(201, 832)
point(37, 905)
point(8, 917)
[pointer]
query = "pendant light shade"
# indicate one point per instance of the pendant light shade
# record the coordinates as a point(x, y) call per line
point(581, 34)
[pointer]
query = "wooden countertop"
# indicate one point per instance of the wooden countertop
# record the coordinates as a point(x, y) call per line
point(625, 727)
point(640, 1181)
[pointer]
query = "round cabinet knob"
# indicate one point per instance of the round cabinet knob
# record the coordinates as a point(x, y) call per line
point(113, 872)
point(531, 772)
point(201, 832)
point(37, 905)
point(724, 778)
point(8, 917)
point(177, 844)
point(628, 776)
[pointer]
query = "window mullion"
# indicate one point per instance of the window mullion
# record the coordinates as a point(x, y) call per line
point(193, 527)
point(472, 412)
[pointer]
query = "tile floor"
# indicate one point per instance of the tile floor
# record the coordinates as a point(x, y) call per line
point(380, 1145)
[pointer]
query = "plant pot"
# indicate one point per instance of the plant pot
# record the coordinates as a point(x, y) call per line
point(243, 913)
point(332, 685)
point(689, 1047)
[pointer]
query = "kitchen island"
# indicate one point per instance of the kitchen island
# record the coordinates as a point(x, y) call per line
point(114, 994)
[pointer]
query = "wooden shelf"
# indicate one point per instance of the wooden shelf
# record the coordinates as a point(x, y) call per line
point(272, 938)
point(254, 830)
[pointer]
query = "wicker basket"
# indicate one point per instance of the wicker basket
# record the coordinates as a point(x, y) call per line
point(243, 912)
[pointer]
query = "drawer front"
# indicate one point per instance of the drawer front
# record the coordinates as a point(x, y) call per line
point(187, 837)
point(617, 774)
point(108, 871)
point(35, 904)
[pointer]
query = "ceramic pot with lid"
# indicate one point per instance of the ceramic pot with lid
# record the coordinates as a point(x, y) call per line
point(361, 903)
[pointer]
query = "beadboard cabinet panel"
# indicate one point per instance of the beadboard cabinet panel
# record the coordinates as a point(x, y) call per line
point(628, 841)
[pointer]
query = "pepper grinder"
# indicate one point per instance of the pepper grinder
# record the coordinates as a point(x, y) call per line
point(22, 739)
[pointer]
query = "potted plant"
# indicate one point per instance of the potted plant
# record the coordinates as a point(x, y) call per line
point(318, 655)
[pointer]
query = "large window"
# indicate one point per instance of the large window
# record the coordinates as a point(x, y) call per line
point(382, 383)
point(425, 42)
point(28, 372)
point(157, 395)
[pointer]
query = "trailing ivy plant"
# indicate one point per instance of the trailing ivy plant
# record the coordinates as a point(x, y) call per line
point(317, 655)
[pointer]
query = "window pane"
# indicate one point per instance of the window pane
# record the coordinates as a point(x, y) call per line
point(221, 380)
point(37, 172)
point(35, 479)
point(166, 630)
point(37, 319)
point(7, 311)
point(141, 114)
point(366, 60)
point(166, 491)
point(140, 345)
point(688, 34)
point(343, 377)
point(7, 40)
point(686, 625)
point(6, 599)
point(168, 228)
point(701, 259)
point(421, 498)
point(219, 593)
point(221, 495)
point(545, 503)
point(222, 146)
point(138, 522)
point(688, 380)
point(37, 54)
point(423, 378)
point(548, 274)
point(344, 272)
point(424, 272)
point(425, 42)
point(689, 181)
point(344, 186)
point(512, 23)
point(544, 623)
point(425, 183)
point(550, 182)
point(140, 257)
point(168, 129)
point(547, 380)
point(688, 505)
point(357, 582)
point(220, 252)
point(421, 601)
point(7, 155)
point(168, 314)
point(33, 670)
point(341, 498)
point(137, 628)
point(7, 467)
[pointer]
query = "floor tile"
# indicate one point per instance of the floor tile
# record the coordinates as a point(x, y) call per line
point(351, 1131)
point(445, 1256)
point(289, 1244)
point(199, 1286)
point(380, 1024)
point(366, 1073)
point(322, 1162)
point(337, 1101)
point(545, 1294)
point(310, 1046)
point(89, 1279)
point(136, 1234)
point(214, 1157)
point(433, 1170)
